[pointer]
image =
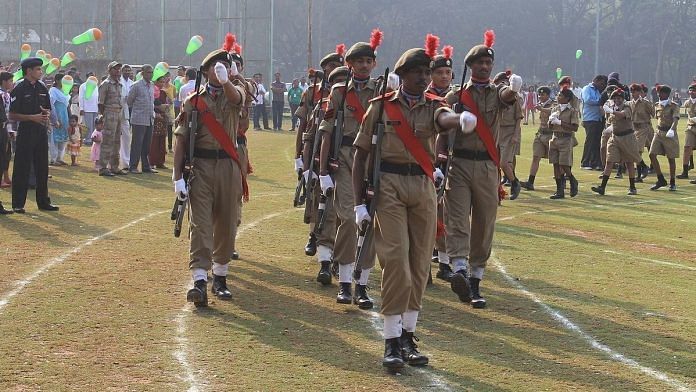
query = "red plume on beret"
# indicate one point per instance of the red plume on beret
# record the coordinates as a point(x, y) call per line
point(238, 48)
point(341, 49)
point(431, 44)
point(447, 51)
point(643, 85)
point(489, 38)
point(311, 72)
point(228, 45)
point(376, 38)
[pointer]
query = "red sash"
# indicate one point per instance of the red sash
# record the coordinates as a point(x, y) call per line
point(483, 131)
point(353, 101)
point(218, 131)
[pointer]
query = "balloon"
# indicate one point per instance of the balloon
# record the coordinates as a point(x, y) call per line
point(17, 76)
point(194, 44)
point(91, 85)
point(93, 34)
point(26, 51)
point(138, 76)
point(46, 59)
point(578, 53)
point(177, 83)
point(161, 69)
point(67, 84)
point(68, 58)
point(559, 72)
point(53, 66)
point(41, 54)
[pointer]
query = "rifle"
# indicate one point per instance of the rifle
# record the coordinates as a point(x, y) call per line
point(300, 189)
point(451, 136)
point(181, 202)
point(312, 182)
point(366, 231)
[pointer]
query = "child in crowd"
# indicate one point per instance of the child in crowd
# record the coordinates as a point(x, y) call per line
point(563, 122)
point(96, 138)
point(75, 139)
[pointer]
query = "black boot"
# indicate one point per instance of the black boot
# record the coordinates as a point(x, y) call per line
point(47, 206)
point(672, 185)
point(515, 189)
point(219, 288)
point(344, 294)
point(573, 186)
point(409, 350)
point(311, 248)
point(632, 191)
point(560, 190)
point(361, 298)
point(445, 272)
point(392, 354)
point(459, 283)
point(3, 211)
point(660, 183)
point(324, 276)
point(235, 255)
point(529, 184)
point(685, 173)
point(477, 301)
point(600, 189)
point(198, 294)
point(435, 258)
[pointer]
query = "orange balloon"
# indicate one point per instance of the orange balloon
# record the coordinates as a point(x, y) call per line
point(26, 47)
point(97, 34)
point(55, 61)
point(48, 56)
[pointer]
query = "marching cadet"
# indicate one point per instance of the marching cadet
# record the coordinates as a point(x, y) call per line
point(690, 137)
point(623, 144)
point(441, 68)
point(642, 112)
point(666, 141)
point(563, 122)
point(217, 182)
point(566, 82)
point(354, 95)
point(509, 136)
point(303, 141)
point(110, 107)
point(540, 147)
point(30, 108)
point(472, 190)
point(405, 214)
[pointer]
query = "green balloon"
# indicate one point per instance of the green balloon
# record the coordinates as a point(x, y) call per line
point(559, 72)
point(578, 53)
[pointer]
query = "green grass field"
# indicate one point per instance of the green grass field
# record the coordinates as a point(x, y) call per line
point(590, 293)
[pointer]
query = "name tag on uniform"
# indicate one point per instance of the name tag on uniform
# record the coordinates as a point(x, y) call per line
point(390, 122)
point(351, 108)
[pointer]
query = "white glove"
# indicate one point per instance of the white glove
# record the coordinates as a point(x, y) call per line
point(515, 83)
point(180, 187)
point(608, 109)
point(554, 121)
point(467, 121)
point(326, 184)
point(671, 134)
point(305, 174)
point(221, 73)
point(438, 177)
point(298, 165)
point(233, 69)
point(692, 119)
point(393, 81)
point(361, 214)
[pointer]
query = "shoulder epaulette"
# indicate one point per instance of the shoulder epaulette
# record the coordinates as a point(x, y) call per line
point(434, 97)
point(385, 96)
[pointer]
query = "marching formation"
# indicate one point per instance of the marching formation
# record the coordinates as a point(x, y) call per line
point(403, 169)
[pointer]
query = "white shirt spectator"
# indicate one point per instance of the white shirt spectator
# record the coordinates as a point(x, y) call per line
point(260, 94)
point(125, 88)
point(88, 105)
point(304, 86)
point(186, 89)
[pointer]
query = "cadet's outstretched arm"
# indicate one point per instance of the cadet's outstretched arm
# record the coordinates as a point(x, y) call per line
point(359, 162)
point(179, 156)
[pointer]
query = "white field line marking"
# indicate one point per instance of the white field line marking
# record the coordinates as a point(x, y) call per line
point(21, 284)
point(181, 354)
point(435, 381)
point(566, 323)
point(667, 263)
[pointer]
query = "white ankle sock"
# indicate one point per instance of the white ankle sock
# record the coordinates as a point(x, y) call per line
point(409, 319)
point(477, 272)
point(392, 326)
point(364, 276)
point(460, 263)
point(344, 273)
point(199, 274)
point(324, 253)
point(443, 257)
point(220, 269)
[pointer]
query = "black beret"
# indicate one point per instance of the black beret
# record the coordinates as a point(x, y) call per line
point(360, 49)
point(410, 59)
point(31, 62)
point(331, 58)
point(337, 72)
point(663, 88)
point(440, 61)
point(215, 56)
point(692, 87)
point(544, 89)
point(236, 57)
point(617, 93)
point(477, 52)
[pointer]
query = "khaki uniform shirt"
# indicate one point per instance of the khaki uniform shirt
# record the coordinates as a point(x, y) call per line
point(691, 112)
point(510, 115)
point(311, 114)
point(110, 94)
point(643, 110)
point(351, 125)
point(489, 101)
point(622, 124)
point(225, 112)
point(666, 115)
point(308, 102)
point(544, 114)
point(422, 119)
point(569, 120)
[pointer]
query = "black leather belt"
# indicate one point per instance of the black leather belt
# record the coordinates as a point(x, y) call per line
point(472, 155)
point(624, 133)
point(545, 131)
point(663, 129)
point(241, 140)
point(404, 169)
point(562, 134)
point(210, 154)
point(347, 141)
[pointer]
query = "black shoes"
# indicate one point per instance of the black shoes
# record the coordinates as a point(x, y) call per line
point(445, 272)
point(460, 285)
point(659, 184)
point(477, 301)
point(515, 189)
point(672, 187)
point(409, 350)
point(106, 173)
point(235, 255)
point(311, 248)
point(560, 189)
point(18, 210)
point(392, 354)
point(219, 288)
point(324, 276)
point(527, 185)
point(361, 298)
point(632, 191)
point(573, 186)
point(435, 258)
point(3, 211)
point(598, 189)
point(345, 296)
point(198, 294)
